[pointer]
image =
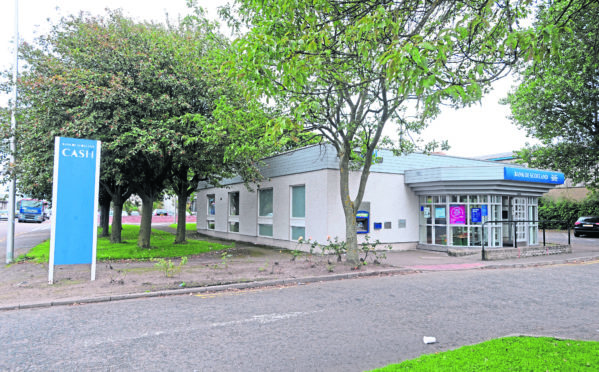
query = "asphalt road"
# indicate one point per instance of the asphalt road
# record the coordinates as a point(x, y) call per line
point(349, 325)
point(27, 235)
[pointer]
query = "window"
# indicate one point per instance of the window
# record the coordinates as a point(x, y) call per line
point(298, 201)
point(297, 219)
point(210, 224)
point(265, 203)
point(457, 220)
point(211, 205)
point(297, 232)
point(234, 212)
point(265, 229)
point(234, 204)
point(265, 212)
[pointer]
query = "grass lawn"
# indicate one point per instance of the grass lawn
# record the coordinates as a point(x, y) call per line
point(190, 226)
point(162, 246)
point(510, 354)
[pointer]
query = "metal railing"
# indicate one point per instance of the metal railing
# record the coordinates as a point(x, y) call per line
point(516, 222)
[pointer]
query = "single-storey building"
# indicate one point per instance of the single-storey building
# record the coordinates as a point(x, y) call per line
point(411, 201)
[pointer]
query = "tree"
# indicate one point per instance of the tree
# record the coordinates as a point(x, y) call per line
point(557, 100)
point(344, 69)
point(126, 84)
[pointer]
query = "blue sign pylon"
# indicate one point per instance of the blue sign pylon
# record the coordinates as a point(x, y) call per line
point(74, 203)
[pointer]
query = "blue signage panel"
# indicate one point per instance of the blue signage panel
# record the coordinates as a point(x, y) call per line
point(475, 214)
point(485, 211)
point(532, 175)
point(75, 195)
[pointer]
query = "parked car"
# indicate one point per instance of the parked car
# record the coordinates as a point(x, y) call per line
point(3, 215)
point(134, 213)
point(161, 212)
point(586, 225)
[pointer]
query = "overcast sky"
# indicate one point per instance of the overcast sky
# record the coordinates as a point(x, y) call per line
point(478, 130)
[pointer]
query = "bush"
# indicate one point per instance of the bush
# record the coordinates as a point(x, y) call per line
point(567, 210)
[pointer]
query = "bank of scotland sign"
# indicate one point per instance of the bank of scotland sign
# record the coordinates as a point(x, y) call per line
point(74, 203)
point(532, 175)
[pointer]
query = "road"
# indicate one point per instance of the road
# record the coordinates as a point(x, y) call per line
point(349, 325)
point(27, 235)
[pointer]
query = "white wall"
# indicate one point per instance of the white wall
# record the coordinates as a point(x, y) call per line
point(390, 200)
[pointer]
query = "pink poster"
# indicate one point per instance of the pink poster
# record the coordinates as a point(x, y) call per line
point(457, 214)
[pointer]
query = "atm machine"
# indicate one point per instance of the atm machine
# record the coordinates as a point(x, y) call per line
point(363, 222)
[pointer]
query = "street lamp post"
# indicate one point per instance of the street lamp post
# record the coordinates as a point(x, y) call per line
point(10, 234)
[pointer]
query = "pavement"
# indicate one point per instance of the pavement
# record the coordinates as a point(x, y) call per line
point(25, 285)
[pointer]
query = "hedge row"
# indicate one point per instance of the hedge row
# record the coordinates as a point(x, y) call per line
point(568, 210)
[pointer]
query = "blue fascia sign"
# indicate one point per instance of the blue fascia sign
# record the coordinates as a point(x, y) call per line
point(532, 175)
point(74, 203)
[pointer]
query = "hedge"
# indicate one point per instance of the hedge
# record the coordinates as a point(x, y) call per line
point(567, 210)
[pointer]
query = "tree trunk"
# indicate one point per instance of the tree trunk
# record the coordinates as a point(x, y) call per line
point(349, 210)
point(145, 226)
point(105, 220)
point(351, 240)
point(117, 225)
point(181, 219)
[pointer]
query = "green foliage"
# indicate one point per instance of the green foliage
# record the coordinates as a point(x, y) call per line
point(225, 256)
point(168, 267)
point(190, 226)
point(338, 248)
point(151, 93)
point(567, 210)
point(558, 97)
point(163, 247)
point(509, 353)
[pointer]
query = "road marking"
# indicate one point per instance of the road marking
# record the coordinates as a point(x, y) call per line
point(266, 318)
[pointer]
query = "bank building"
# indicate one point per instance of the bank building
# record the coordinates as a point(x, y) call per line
point(415, 201)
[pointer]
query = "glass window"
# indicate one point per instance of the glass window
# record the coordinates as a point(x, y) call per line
point(298, 201)
point(233, 226)
point(297, 232)
point(427, 214)
point(211, 205)
point(429, 235)
point(475, 236)
point(234, 204)
point(210, 224)
point(265, 203)
point(460, 235)
point(441, 235)
point(440, 215)
point(264, 229)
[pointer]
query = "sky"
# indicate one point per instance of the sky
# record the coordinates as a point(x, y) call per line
point(481, 129)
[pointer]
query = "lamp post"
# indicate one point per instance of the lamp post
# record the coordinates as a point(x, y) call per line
point(10, 234)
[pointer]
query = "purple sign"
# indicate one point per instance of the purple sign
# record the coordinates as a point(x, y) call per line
point(457, 214)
